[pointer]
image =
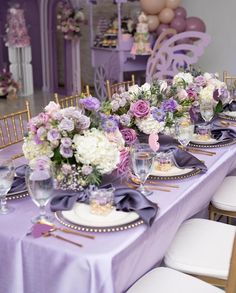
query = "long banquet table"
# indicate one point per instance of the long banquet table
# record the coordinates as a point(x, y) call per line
point(111, 262)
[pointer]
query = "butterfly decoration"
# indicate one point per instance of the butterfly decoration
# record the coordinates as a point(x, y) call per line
point(170, 54)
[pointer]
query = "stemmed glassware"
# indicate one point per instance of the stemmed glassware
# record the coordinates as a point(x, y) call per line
point(6, 179)
point(40, 184)
point(142, 157)
point(207, 110)
point(184, 130)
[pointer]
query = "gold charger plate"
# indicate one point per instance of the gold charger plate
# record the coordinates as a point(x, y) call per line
point(219, 144)
point(79, 218)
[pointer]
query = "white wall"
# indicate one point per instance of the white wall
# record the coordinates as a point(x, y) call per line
point(220, 19)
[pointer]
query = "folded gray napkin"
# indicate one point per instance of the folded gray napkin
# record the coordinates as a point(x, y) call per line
point(182, 158)
point(221, 134)
point(18, 185)
point(230, 107)
point(20, 170)
point(126, 199)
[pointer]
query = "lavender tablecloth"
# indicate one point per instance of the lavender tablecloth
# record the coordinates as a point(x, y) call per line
point(113, 261)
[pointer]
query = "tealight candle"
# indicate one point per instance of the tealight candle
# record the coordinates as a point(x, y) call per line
point(204, 132)
point(164, 161)
point(101, 201)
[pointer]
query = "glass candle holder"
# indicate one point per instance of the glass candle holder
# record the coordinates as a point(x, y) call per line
point(101, 201)
point(164, 161)
point(204, 132)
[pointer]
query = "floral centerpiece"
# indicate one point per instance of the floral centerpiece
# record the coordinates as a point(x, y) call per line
point(69, 20)
point(8, 86)
point(80, 153)
point(195, 87)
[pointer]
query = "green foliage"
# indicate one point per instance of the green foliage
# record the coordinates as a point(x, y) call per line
point(94, 178)
point(219, 107)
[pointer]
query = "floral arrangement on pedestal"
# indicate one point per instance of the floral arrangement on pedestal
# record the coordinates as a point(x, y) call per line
point(80, 153)
point(8, 86)
point(16, 30)
point(69, 20)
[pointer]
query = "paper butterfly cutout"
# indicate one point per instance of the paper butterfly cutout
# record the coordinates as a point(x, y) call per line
point(153, 142)
point(179, 51)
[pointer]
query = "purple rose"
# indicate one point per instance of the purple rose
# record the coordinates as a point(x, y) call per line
point(66, 124)
point(66, 152)
point(129, 135)
point(53, 135)
point(90, 103)
point(200, 81)
point(140, 108)
point(83, 122)
point(66, 142)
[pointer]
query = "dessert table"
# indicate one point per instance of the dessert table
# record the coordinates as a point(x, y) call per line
point(111, 262)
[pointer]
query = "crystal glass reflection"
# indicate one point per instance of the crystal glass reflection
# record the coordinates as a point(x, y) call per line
point(6, 179)
point(40, 184)
point(184, 130)
point(142, 163)
point(207, 110)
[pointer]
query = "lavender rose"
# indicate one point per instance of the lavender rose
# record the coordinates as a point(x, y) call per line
point(66, 152)
point(170, 105)
point(53, 135)
point(84, 122)
point(129, 135)
point(66, 124)
point(140, 108)
point(90, 103)
point(66, 142)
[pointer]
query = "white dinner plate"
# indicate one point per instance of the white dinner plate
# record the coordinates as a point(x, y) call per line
point(81, 215)
point(230, 113)
point(200, 141)
point(174, 171)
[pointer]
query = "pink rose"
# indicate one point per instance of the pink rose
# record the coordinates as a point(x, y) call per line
point(140, 108)
point(129, 135)
point(51, 108)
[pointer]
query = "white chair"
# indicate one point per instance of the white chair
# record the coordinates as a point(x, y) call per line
point(223, 202)
point(166, 280)
point(202, 248)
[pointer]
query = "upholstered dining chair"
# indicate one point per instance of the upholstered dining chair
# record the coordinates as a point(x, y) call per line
point(202, 248)
point(117, 87)
point(229, 80)
point(223, 203)
point(71, 101)
point(166, 280)
point(14, 126)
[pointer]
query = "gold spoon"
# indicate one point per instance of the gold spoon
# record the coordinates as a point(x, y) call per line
point(61, 238)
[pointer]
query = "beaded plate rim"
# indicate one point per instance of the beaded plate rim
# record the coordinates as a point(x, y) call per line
point(18, 195)
point(65, 222)
point(226, 117)
point(225, 143)
point(191, 173)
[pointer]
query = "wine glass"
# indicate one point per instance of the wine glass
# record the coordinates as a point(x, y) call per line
point(142, 157)
point(207, 110)
point(40, 184)
point(6, 179)
point(184, 130)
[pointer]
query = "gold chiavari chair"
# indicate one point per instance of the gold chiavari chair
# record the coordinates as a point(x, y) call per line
point(71, 101)
point(229, 80)
point(117, 87)
point(13, 127)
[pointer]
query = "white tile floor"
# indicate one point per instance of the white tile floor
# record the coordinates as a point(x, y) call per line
point(37, 102)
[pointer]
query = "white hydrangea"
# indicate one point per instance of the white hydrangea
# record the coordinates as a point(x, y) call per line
point(33, 150)
point(178, 78)
point(149, 125)
point(206, 94)
point(133, 91)
point(93, 148)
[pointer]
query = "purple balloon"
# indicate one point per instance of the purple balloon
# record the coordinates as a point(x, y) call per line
point(179, 24)
point(162, 27)
point(195, 24)
point(181, 12)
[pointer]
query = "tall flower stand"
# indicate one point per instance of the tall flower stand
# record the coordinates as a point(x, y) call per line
point(21, 68)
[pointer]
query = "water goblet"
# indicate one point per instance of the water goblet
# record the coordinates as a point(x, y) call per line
point(6, 179)
point(142, 158)
point(207, 111)
point(40, 184)
point(184, 130)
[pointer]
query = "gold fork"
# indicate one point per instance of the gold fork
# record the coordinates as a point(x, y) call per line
point(134, 186)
